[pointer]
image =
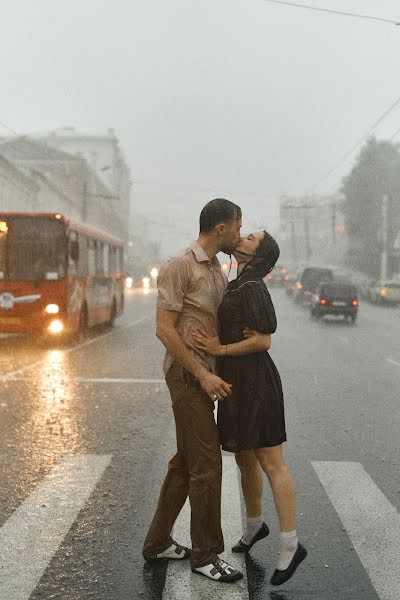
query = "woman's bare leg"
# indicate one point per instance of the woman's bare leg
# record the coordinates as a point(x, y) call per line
point(252, 481)
point(273, 463)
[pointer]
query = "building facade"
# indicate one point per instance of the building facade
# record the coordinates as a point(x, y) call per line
point(18, 191)
point(60, 182)
point(105, 159)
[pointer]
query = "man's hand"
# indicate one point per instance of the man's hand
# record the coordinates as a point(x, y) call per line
point(207, 343)
point(215, 387)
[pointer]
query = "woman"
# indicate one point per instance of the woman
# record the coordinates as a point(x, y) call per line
point(251, 421)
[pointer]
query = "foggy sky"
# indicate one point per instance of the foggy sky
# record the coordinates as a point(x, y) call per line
point(234, 98)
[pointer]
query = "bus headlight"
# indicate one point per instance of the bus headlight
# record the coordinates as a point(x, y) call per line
point(52, 309)
point(55, 327)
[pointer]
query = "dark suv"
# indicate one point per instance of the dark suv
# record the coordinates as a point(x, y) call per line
point(309, 281)
point(335, 298)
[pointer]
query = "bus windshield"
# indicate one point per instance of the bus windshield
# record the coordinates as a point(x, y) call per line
point(32, 248)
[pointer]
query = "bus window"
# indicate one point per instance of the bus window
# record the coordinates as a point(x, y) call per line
point(36, 249)
point(92, 256)
point(113, 259)
point(99, 258)
point(73, 253)
point(83, 256)
point(106, 258)
point(119, 260)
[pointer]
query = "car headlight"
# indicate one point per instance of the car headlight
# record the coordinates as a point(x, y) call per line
point(52, 309)
point(56, 327)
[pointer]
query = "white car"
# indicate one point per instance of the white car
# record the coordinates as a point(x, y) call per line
point(386, 292)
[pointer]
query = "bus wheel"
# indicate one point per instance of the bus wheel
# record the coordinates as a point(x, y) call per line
point(83, 322)
point(113, 313)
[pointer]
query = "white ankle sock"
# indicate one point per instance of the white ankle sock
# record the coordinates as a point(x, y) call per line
point(289, 544)
point(253, 525)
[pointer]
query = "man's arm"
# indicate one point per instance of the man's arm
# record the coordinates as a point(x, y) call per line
point(256, 342)
point(214, 386)
point(253, 342)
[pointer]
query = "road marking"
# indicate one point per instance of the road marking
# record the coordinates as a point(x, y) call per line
point(34, 532)
point(115, 380)
point(393, 362)
point(371, 521)
point(181, 583)
point(68, 350)
point(343, 339)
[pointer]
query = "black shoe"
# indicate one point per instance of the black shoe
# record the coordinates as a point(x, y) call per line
point(174, 552)
point(219, 571)
point(261, 533)
point(280, 577)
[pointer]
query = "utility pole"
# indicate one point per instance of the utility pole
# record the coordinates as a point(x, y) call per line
point(384, 236)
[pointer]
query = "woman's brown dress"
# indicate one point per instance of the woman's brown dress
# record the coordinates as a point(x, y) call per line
point(253, 416)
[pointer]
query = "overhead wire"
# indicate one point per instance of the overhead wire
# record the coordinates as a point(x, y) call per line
point(357, 144)
point(334, 12)
point(8, 128)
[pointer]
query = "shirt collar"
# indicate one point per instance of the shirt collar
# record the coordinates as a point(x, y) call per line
point(199, 252)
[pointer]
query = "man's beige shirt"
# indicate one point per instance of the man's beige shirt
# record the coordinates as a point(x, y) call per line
point(193, 286)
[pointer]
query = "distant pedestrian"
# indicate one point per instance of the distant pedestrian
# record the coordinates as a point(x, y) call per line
point(190, 290)
point(251, 421)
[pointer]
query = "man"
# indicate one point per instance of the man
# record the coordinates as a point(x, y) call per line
point(190, 289)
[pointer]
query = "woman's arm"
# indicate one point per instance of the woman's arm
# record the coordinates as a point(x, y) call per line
point(257, 342)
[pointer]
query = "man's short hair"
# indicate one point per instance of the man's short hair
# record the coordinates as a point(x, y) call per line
point(217, 211)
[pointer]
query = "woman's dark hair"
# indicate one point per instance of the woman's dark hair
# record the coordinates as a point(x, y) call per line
point(266, 256)
point(217, 211)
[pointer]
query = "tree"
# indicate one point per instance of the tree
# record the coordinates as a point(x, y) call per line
point(376, 172)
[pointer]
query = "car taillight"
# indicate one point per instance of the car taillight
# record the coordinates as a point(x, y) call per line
point(322, 301)
point(300, 286)
point(354, 302)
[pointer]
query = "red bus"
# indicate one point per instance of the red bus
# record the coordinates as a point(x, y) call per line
point(57, 275)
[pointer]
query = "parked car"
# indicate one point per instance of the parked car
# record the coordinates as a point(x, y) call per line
point(308, 283)
point(335, 298)
point(290, 284)
point(363, 289)
point(387, 292)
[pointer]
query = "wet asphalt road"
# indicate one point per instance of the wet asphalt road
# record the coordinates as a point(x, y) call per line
point(105, 398)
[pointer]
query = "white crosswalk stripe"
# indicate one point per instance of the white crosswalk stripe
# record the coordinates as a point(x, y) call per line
point(34, 532)
point(371, 521)
point(181, 583)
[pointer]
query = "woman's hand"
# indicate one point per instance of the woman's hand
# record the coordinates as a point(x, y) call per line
point(207, 343)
